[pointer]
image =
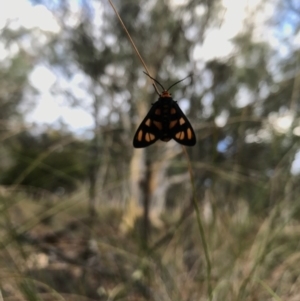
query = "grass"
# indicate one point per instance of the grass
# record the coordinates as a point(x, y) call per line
point(45, 254)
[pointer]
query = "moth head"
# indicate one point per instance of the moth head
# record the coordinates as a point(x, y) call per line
point(165, 93)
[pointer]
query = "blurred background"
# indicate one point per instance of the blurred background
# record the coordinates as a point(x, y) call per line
point(84, 215)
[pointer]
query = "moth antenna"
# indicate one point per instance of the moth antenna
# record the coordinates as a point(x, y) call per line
point(155, 81)
point(179, 82)
point(156, 89)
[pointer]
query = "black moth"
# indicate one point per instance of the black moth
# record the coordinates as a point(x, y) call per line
point(164, 121)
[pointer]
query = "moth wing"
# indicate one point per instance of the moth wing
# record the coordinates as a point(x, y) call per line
point(180, 128)
point(150, 128)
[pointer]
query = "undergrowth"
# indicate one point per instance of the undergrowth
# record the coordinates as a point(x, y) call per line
point(49, 253)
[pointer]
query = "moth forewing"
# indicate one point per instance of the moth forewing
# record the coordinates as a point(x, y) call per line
point(148, 131)
point(182, 132)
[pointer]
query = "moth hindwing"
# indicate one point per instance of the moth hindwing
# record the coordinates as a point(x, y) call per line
point(164, 121)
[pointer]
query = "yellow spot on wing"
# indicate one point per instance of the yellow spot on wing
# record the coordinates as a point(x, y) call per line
point(148, 122)
point(173, 111)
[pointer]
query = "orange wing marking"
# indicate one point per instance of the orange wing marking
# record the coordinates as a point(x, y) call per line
point(180, 135)
point(140, 135)
point(157, 124)
point(189, 133)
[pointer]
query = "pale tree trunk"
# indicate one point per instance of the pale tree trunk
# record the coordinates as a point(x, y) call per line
point(159, 181)
point(137, 171)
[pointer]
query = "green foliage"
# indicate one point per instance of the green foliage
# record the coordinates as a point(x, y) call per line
point(13, 81)
point(52, 161)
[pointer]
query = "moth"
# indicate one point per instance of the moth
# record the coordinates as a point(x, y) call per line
point(164, 121)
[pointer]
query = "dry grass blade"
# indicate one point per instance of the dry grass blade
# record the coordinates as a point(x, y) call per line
point(132, 42)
